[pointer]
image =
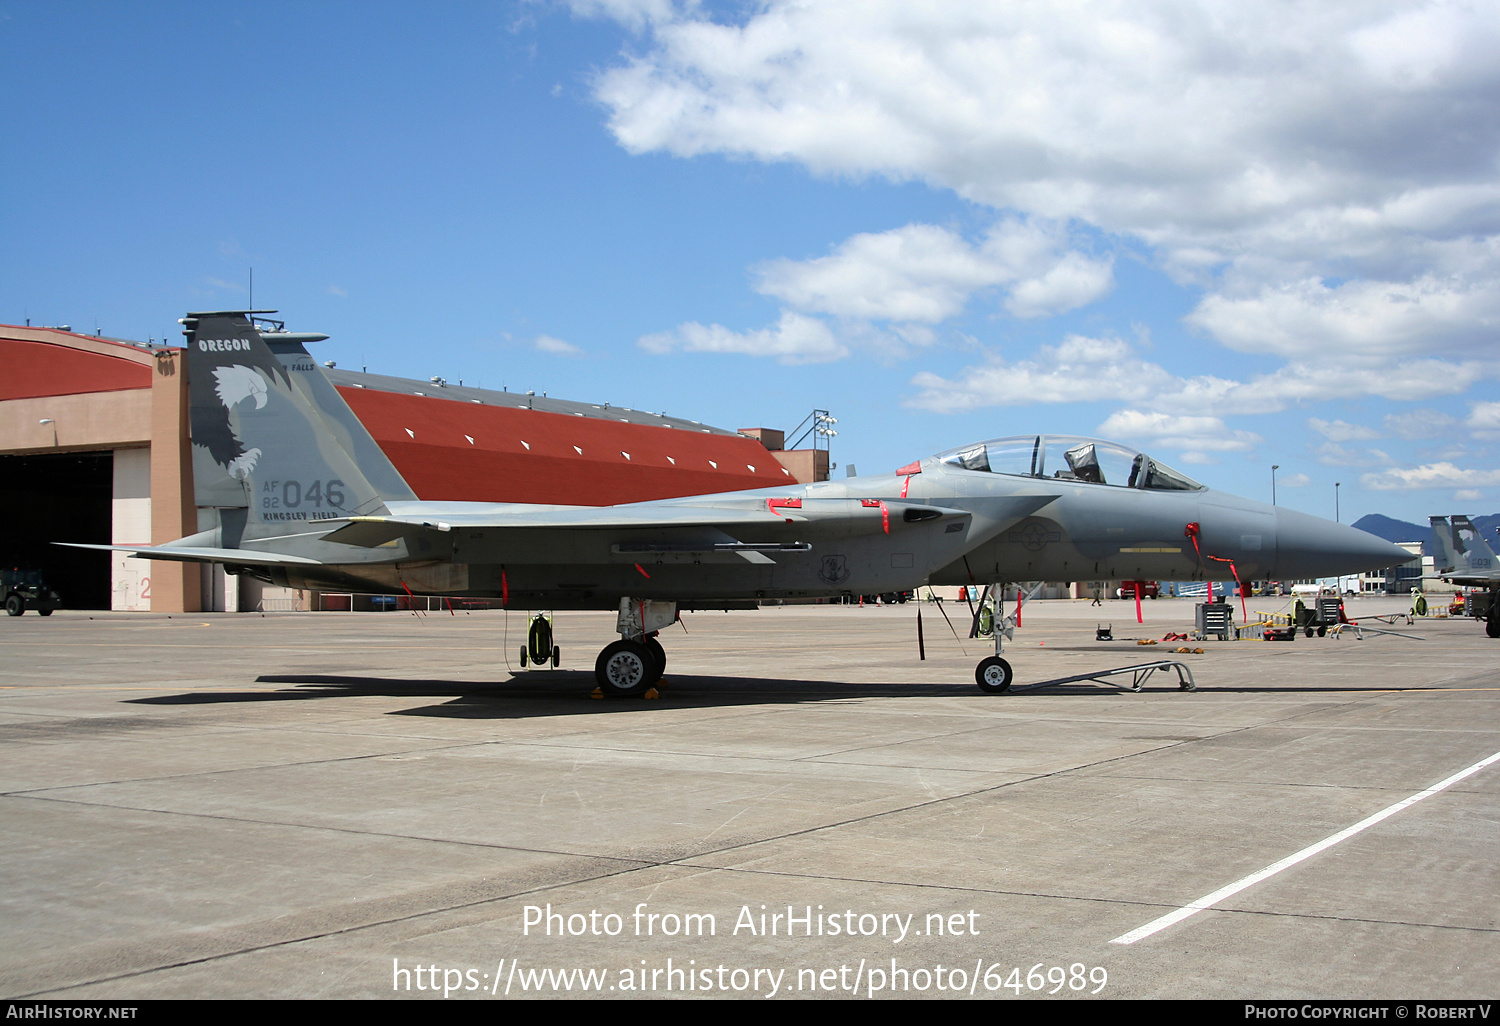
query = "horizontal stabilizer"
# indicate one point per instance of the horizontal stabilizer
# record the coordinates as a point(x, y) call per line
point(246, 557)
point(372, 532)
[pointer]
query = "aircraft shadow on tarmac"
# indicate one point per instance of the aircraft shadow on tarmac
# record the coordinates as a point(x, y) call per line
point(558, 693)
point(565, 692)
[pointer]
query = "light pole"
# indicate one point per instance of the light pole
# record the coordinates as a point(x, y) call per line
point(1336, 519)
point(1274, 467)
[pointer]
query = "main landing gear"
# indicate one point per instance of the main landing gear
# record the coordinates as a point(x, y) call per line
point(633, 664)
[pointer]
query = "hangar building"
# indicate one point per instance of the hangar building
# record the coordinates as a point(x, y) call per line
point(94, 447)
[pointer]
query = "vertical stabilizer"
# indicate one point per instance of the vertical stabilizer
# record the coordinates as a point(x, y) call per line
point(1444, 552)
point(1480, 557)
point(318, 392)
point(260, 443)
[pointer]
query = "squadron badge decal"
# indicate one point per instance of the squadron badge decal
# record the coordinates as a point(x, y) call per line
point(834, 570)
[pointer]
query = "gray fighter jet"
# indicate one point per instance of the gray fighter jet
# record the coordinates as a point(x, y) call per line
point(1462, 557)
point(1461, 553)
point(305, 499)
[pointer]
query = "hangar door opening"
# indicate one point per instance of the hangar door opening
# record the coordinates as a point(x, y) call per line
point(59, 497)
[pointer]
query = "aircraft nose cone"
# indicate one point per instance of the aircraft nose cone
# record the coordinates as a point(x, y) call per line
point(1308, 546)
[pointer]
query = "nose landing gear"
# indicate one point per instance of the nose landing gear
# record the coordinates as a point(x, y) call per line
point(993, 674)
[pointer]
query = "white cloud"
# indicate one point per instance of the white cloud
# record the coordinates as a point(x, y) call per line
point(1429, 475)
point(1415, 424)
point(1325, 170)
point(1294, 481)
point(1086, 369)
point(927, 274)
point(1340, 431)
point(1484, 419)
point(1408, 380)
point(916, 273)
point(635, 14)
point(1077, 369)
point(1074, 281)
point(556, 346)
point(1194, 434)
point(1174, 119)
point(1468, 495)
point(1332, 454)
point(1363, 320)
point(794, 339)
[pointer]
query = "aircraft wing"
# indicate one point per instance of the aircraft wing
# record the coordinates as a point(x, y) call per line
point(858, 515)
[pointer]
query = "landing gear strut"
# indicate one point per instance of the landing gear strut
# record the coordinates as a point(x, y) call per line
point(634, 663)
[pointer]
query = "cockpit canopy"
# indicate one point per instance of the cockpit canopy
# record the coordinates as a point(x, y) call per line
point(1069, 458)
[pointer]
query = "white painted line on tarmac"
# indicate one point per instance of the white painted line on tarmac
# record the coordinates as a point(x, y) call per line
point(1192, 908)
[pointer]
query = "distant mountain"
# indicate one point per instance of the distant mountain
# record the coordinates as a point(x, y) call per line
point(1392, 530)
point(1401, 531)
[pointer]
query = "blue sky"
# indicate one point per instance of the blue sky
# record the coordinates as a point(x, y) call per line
point(1232, 237)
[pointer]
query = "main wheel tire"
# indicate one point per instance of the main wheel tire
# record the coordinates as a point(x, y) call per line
point(1492, 628)
point(993, 675)
point(660, 655)
point(44, 610)
point(523, 657)
point(625, 668)
point(556, 657)
point(15, 605)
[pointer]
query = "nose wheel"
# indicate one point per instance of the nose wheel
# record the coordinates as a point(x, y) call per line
point(993, 675)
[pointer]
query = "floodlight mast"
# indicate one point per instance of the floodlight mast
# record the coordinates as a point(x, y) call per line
point(818, 424)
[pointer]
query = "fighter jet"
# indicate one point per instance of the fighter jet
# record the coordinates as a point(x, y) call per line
point(305, 499)
point(1462, 557)
point(1460, 552)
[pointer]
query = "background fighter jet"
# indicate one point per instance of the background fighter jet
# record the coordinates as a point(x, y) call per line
point(1460, 552)
point(305, 499)
point(1463, 557)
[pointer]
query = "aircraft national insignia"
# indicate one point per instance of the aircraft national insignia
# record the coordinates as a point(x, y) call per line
point(1034, 536)
point(834, 569)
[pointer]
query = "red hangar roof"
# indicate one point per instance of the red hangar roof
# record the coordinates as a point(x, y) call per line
point(481, 446)
point(449, 442)
point(46, 361)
